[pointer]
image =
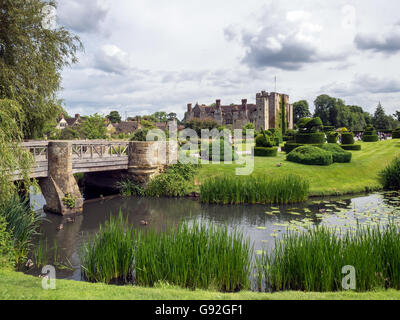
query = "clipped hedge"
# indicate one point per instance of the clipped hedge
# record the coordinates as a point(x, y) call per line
point(289, 146)
point(347, 138)
point(263, 141)
point(310, 138)
point(332, 137)
point(310, 155)
point(220, 156)
point(370, 135)
point(396, 133)
point(339, 155)
point(353, 147)
point(265, 152)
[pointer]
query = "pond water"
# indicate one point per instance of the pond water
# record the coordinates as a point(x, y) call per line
point(261, 223)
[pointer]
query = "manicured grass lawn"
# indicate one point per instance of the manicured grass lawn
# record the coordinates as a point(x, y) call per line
point(17, 286)
point(340, 178)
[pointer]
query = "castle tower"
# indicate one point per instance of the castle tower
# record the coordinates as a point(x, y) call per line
point(262, 120)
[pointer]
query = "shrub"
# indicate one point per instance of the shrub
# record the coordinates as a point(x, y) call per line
point(128, 188)
point(347, 138)
point(289, 146)
point(339, 155)
point(310, 155)
point(310, 138)
point(263, 141)
point(396, 133)
point(328, 128)
point(290, 134)
point(265, 152)
point(332, 137)
point(140, 135)
point(168, 184)
point(276, 135)
point(248, 189)
point(354, 147)
point(390, 176)
point(370, 135)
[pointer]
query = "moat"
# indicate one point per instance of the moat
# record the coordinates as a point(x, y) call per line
point(261, 223)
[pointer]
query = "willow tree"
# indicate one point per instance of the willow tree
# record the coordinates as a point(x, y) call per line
point(32, 55)
point(13, 159)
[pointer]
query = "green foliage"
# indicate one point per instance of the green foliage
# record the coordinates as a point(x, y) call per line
point(199, 256)
point(12, 157)
point(114, 117)
point(174, 182)
point(310, 138)
point(380, 120)
point(290, 135)
point(22, 224)
point(396, 133)
point(263, 141)
point(70, 133)
point(347, 138)
point(199, 124)
point(313, 260)
point(332, 137)
point(390, 176)
point(333, 112)
point(146, 124)
point(311, 156)
point(248, 126)
point(94, 127)
point(300, 110)
point(265, 152)
point(31, 59)
point(275, 135)
point(354, 147)
point(370, 135)
point(7, 254)
point(281, 189)
point(140, 135)
point(69, 201)
point(128, 188)
point(339, 155)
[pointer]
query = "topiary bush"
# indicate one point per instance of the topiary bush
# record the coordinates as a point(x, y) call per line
point(332, 137)
point(310, 155)
point(263, 141)
point(338, 154)
point(370, 135)
point(396, 133)
point(265, 152)
point(221, 156)
point(290, 134)
point(347, 138)
point(353, 147)
point(310, 138)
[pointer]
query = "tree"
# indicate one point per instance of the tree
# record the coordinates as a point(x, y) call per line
point(380, 119)
point(160, 116)
point(172, 116)
point(114, 117)
point(13, 157)
point(94, 127)
point(32, 56)
point(397, 115)
point(301, 110)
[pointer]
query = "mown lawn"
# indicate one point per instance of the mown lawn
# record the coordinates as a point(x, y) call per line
point(17, 286)
point(340, 178)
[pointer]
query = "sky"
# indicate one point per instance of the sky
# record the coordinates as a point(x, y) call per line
point(145, 56)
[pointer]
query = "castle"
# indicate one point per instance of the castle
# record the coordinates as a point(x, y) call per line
point(272, 110)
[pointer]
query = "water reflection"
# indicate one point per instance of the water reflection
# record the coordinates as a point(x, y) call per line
point(261, 223)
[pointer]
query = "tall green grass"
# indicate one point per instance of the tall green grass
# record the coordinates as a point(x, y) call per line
point(390, 176)
point(22, 223)
point(313, 261)
point(192, 256)
point(281, 189)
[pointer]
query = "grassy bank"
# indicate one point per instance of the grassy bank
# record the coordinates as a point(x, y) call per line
point(337, 179)
point(17, 286)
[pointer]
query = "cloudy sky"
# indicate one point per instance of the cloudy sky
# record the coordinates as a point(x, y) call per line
point(143, 56)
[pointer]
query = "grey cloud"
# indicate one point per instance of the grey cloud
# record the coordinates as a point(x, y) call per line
point(386, 43)
point(84, 16)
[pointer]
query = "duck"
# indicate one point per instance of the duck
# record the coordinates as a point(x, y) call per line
point(70, 220)
point(60, 227)
point(279, 165)
point(29, 264)
point(144, 222)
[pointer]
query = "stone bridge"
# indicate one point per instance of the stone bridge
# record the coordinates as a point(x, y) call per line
point(57, 161)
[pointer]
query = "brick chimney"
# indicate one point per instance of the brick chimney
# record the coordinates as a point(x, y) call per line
point(189, 107)
point(218, 103)
point(244, 104)
point(62, 116)
point(77, 116)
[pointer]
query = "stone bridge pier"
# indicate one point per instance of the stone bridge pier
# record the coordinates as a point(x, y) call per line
point(60, 182)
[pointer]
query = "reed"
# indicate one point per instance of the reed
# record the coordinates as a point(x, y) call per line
point(313, 261)
point(281, 189)
point(192, 256)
